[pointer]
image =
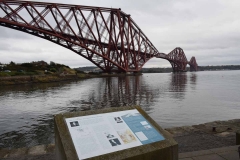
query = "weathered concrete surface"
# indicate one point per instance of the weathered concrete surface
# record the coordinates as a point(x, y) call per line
point(41, 152)
point(30, 157)
point(189, 138)
point(224, 153)
point(202, 137)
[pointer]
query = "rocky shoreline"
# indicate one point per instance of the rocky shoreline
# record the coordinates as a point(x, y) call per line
point(190, 138)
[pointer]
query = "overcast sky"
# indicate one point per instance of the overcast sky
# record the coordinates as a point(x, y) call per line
point(206, 29)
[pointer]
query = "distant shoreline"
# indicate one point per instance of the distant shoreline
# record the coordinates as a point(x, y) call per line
point(18, 80)
point(32, 79)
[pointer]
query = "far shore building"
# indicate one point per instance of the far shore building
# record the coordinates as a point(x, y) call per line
point(95, 70)
point(39, 63)
point(2, 66)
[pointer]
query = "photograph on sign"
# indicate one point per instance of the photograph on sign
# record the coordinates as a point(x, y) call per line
point(99, 134)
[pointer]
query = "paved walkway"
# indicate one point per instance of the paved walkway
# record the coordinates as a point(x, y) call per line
point(224, 153)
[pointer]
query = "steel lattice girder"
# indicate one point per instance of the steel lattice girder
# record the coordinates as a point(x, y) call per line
point(193, 64)
point(177, 59)
point(107, 37)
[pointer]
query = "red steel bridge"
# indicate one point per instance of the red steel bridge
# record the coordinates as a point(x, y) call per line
point(107, 37)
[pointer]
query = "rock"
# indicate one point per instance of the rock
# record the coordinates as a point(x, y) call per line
point(85, 107)
point(50, 148)
point(189, 128)
point(18, 152)
point(224, 134)
point(4, 153)
point(177, 131)
point(37, 150)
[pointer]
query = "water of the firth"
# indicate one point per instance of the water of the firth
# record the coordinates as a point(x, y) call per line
point(26, 111)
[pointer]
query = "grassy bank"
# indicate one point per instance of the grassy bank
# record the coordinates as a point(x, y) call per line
point(28, 79)
point(42, 72)
point(14, 80)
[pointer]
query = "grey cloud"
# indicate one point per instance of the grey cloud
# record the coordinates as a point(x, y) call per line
point(7, 33)
point(208, 30)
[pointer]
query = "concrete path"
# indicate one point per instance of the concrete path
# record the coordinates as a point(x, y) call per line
point(224, 153)
point(202, 137)
point(196, 142)
point(41, 152)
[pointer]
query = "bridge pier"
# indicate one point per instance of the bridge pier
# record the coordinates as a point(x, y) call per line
point(179, 71)
point(104, 73)
point(192, 69)
point(137, 73)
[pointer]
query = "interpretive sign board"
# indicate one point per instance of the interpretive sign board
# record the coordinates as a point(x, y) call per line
point(112, 133)
point(99, 134)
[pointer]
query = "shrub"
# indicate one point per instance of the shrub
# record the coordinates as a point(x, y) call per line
point(53, 70)
point(3, 74)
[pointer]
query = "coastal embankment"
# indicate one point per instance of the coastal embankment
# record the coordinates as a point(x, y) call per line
point(16, 80)
point(190, 138)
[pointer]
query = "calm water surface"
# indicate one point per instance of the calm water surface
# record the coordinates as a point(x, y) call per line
point(26, 111)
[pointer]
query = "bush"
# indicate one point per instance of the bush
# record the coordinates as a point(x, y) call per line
point(3, 74)
point(53, 70)
point(94, 73)
point(78, 71)
point(19, 73)
point(28, 65)
point(31, 73)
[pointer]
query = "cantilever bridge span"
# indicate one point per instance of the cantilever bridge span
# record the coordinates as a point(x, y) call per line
point(107, 37)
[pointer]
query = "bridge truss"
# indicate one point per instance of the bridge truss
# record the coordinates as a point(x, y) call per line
point(107, 37)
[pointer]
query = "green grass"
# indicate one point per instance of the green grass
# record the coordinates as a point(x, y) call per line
point(4, 74)
point(14, 73)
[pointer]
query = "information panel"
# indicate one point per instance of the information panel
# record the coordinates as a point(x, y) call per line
point(100, 134)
